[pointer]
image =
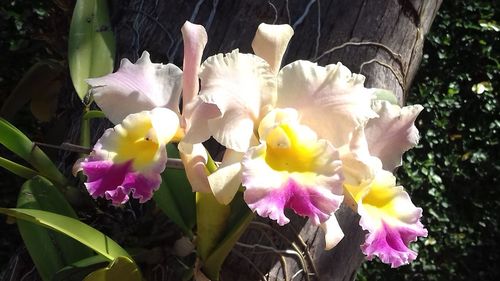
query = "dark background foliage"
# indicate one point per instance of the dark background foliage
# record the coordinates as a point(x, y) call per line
point(453, 174)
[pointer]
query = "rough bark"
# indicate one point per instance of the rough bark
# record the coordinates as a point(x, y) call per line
point(381, 39)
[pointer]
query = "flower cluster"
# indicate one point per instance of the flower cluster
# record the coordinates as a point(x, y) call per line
point(303, 137)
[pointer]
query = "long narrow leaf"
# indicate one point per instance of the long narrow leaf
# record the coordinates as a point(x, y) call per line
point(78, 270)
point(175, 197)
point(49, 250)
point(17, 169)
point(91, 49)
point(122, 269)
point(181, 189)
point(73, 228)
point(165, 201)
point(17, 142)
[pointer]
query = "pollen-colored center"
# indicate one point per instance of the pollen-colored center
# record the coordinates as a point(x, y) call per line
point(137, 142)
point(288, 150)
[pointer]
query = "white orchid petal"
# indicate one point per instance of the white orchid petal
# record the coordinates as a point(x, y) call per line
point(358, 165)
point(393, 133)
point(331, 100)
point(137, 87)
point(226, 181)
point(195, 157)
point(333, 232)
point(270, 43)
point(240, 86)
point(165, 123)
point(195, 38)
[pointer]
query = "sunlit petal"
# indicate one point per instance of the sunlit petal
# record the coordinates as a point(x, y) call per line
point(331, 100)
point(226, 181)
point(194, 38)
point(392, 133)
point(270, 43)
point(137, 87)
point(333, 232)
point(195, 158)
point(240, 86)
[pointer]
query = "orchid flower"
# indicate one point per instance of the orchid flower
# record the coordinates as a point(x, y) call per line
point(386, 210)
point(237, 105)
point(389, 216)
point(142, 99)
point(279, 125)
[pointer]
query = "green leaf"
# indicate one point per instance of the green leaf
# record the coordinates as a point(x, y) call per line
point(238, 221)
point(78, 270)
point(50, 251)
point(17, 142)
point(175, 196)
point(73, 228)
point(91, 48)
point(17, 169)
point(122, 268)
point(165, 201)
point(181, 189)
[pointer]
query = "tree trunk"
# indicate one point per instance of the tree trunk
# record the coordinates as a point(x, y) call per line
point(381, 39)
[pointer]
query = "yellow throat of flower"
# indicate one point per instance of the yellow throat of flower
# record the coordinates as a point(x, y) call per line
point(289, 146)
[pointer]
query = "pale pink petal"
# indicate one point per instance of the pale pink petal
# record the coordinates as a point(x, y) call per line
point(194, 38)
point(196, 116)
point(194, 157)
point(226, 180)
point(270, 43)
point(358, 165)
point(392, 133)
point(333, 232)
point(240, 86)
point(331, 100)
point(137, 87)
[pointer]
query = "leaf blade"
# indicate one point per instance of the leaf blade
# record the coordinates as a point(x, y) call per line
point(91, 47)
point(73, 228)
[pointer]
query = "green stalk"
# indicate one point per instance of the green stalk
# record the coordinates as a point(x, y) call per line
point(85, 129)
point(90, 114)
point(219, 227)
point(211, 220)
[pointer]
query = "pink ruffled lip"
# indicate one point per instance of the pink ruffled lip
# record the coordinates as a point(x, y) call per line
point(116, 181)
point(390, 244)
point(304, 201)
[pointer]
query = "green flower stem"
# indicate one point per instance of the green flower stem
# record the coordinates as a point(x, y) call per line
point(211, 221)
point(85, 129)
point(91, 114)
point(219, 227)
point(214, 262)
